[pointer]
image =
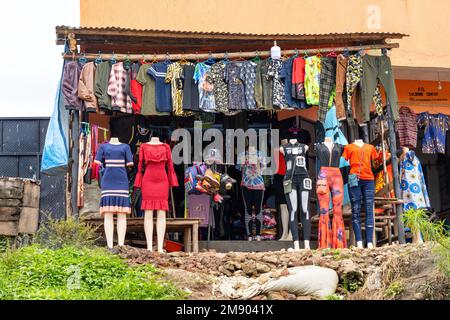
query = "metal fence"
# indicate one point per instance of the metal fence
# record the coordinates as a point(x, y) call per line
point(21, 144)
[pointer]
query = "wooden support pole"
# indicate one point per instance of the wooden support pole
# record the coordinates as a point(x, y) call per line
point(200, 56)
point(394, 160)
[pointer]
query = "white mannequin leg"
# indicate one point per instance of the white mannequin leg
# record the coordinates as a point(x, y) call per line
point(161, 229)
point(109, 228)
point(359, 244)
point(121, 228)
point(307, 244)
point(369, 245)
point(297, 245)
point(284, 214)
point(148, 228)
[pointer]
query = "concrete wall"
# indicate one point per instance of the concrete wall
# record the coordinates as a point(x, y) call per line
point(425, 21)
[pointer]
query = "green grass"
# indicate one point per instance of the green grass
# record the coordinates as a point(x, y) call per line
point(35, 272)
point(394, 290)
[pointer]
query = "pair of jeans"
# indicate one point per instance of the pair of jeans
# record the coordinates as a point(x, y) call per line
point(253, 198)
point(297, 199)
point(331, 236)
point(364, 192)
point(378, 68)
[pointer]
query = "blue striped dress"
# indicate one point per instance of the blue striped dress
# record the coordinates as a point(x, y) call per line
point(115, 187)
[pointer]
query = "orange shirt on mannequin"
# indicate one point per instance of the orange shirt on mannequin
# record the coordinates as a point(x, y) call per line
point(360, 159)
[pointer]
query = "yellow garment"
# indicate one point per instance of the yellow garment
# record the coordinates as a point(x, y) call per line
point(174, 77)
point(312, 80)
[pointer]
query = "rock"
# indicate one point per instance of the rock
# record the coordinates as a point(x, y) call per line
point(229, 266)
point(257, 298)
point(236, 265)
point(262, 268)
point(373, 281)
point(284, 272)
point(308, 262)
point(249, 268)
point(263, 278)
point(212, 250)
point(270, 259)
point(284, 294)
point(303, 298)
point(238, 273)
point(225, 271)
point(274, 296)
point(419, 296)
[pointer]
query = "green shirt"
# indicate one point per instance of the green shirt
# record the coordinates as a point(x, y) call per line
point(148, 92)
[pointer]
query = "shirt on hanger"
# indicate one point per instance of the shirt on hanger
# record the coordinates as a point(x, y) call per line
point(298, 78)
point(263, 86)
point(205, 88)
point(69, 87)
point(248, 76)
point(190, 94)
point(174, 77)
point(86, 87)
point(360, 159)
point(407, 127)
point(163, 89)
point(216, 76)
point(436, 126)
point(312, 80)
point(286, 76)
point(120, 101)
point(148, 107)
point(236, 95)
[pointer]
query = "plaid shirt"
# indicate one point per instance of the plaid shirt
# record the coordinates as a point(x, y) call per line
point(117, 89)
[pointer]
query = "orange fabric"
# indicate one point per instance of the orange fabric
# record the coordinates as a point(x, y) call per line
point(360, 159)
point(331, 236)
point(379, 179)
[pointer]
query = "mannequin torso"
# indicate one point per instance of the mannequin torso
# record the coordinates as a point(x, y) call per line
point(154, 140)
point(329, 143)
point(359, 143)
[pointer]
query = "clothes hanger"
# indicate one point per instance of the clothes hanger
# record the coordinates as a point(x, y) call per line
point(318, 54)
point(210, 60)
point(256, 59)
point(332, 54)
point(167, 60)
point(154, 59)
point(225, 59)
point(143, 61)
point(127, 61)
point(83, 58)
point(360, 51)
point(346, 53)
point(296, 54)
point(183, 61)
point(98, 59)
point(305, 55)
point(113, 58)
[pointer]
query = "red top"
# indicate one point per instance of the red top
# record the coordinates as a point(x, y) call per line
point(298, 70)
point(360, 159)
point(280, 163)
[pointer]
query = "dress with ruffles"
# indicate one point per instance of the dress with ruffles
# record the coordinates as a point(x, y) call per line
point(115, 187)
point(153, 178)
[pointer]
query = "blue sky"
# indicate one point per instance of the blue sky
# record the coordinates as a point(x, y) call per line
point(31, 61)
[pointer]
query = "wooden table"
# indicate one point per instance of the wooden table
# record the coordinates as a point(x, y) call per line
point(189, 226)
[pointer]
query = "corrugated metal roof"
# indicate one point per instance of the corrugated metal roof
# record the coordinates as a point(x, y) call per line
point(63, 30)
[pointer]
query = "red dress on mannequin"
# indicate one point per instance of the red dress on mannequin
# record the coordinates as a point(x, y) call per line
point(153, 178)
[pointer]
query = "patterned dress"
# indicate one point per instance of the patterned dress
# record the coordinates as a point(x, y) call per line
point(235, 86)
point(413, 187)
point(248, 75)
point(216, 76)
point(436, 127)
point(278, 94)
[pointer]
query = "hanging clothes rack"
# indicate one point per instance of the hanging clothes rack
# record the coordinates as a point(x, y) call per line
point(224, 55)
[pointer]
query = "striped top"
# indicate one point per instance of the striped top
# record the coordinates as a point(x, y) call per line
point(407, 128)
point(120, 101)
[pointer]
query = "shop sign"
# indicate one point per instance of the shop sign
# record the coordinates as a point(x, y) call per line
point(423, 92)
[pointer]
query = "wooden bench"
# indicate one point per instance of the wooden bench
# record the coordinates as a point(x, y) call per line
point(189, 226)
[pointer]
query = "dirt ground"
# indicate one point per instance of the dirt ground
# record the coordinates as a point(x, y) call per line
point(389, 272)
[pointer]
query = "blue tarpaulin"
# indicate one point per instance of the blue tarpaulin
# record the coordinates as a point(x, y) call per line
point(56, 153)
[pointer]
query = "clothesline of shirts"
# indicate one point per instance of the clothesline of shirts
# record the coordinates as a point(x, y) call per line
point(230, 86)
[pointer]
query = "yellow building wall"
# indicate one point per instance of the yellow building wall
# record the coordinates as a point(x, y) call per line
point(425, 21)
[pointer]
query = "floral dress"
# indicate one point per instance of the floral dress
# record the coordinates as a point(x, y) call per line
point(278, 94)
point(412, 183)
point(312, 80)
point(248, 75)
point(216, 77)
point(435, 131)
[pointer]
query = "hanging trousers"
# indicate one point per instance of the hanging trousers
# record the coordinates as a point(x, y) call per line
point(297, 199)
point(327, 84)
point(363, 192)
point(253, 198)
point(331, 233)
point(340, 99)
point(374, 69)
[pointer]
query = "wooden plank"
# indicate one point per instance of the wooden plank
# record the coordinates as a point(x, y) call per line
point(29, 220)
point(8, 228)
point(31, 193)
point(11, 188)
point(9, 213)
point(6, 202)
point(195, 238)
